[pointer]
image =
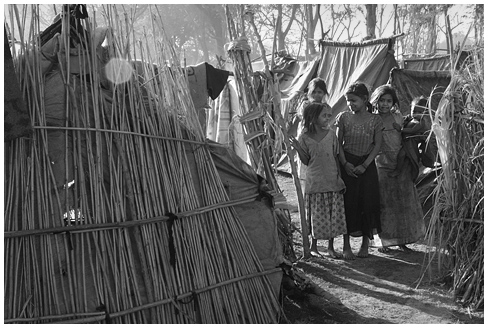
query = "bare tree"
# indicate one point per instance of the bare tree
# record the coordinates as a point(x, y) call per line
point(343, 21)
point(478, 23)
point(312, 18)
point(383, 22)
point(371, 21)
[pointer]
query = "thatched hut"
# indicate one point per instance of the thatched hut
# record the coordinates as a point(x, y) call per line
point(114, 209)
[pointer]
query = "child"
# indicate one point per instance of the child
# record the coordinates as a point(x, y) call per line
point(318, 148)
point(414, 127)
point(401, 217)
point(360, 134)
point(316, 92)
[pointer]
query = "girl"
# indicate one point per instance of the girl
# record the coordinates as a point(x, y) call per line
point(401, 213)
point(318, 148)
point(317, 90)
point(360, 134)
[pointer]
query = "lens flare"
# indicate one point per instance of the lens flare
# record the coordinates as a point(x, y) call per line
point(118, 70)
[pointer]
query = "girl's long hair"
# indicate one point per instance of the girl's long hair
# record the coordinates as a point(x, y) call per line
point(361, 90)
point(310, 116)
point(317, 83)
point(382, 90)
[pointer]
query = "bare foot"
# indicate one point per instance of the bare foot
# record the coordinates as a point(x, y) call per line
point(315, 253)
point(348, 255)
point(334, 254)
point(404, 248)
point(383, 249)
point(363, 252)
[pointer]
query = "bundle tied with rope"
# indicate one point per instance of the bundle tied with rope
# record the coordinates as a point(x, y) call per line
point(114, 211)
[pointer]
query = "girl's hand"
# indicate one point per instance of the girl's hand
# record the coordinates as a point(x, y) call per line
point(397, 126)
point(294, 142)
point(360, 169)
point(350, 170)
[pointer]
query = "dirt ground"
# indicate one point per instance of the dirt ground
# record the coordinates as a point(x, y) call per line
point(383, 288)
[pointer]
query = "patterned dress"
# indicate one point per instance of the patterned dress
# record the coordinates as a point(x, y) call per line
point(401, 212)
point(324, 201)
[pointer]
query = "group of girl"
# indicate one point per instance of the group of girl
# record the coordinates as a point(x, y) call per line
point(350, 188)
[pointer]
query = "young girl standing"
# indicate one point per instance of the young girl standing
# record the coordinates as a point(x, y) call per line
point(316, 92)
point(360, 135)
point(401, 212)
point(318, 148)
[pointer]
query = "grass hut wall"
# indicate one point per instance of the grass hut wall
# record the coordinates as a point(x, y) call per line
point(114, 209)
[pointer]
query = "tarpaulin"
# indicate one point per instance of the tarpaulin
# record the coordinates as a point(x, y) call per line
point(345, 63)
point(436, 63)
point(412, 83)
point(440, 63)
point(306, 70)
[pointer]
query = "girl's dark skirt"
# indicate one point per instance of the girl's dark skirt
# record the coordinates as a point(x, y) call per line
point(362, 199)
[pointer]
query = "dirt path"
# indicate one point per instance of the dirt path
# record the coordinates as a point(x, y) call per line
point(382, 288)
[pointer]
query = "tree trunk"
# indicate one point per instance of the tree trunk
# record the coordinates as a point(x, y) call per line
point(310, 30)
point(371, 21)
point(432, 36)
point(478, 23)
point(279, 28)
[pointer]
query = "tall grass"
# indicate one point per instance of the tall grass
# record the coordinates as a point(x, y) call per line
point(457, 224)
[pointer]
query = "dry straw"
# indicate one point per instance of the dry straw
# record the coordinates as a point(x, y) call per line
point(456, 228)
point(129, 153)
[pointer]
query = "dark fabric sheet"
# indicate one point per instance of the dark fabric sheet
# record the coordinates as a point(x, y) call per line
point(216, 80)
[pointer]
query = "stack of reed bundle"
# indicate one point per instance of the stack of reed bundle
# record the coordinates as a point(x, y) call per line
point(130, 223)
point(264, 113)
point(256, 120)
point(456, 228)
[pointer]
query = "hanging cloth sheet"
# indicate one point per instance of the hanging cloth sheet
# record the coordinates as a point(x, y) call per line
point(439, 63)
point(306, 70)
point(344, 63)
point(436, 63)
point(414, 83)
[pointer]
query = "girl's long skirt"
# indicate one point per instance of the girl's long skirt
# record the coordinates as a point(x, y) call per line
point(362, 199)
point(401, 212)
point(325, 215)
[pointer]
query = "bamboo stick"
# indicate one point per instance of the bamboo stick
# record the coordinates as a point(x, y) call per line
point(289, 152)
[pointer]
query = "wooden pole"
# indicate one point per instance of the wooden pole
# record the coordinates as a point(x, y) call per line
point(281, 123)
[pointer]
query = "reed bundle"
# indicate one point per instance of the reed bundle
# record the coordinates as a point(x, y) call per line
point(255, 118)
point(263, 113)
point(129, 222)
point(457, 224)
